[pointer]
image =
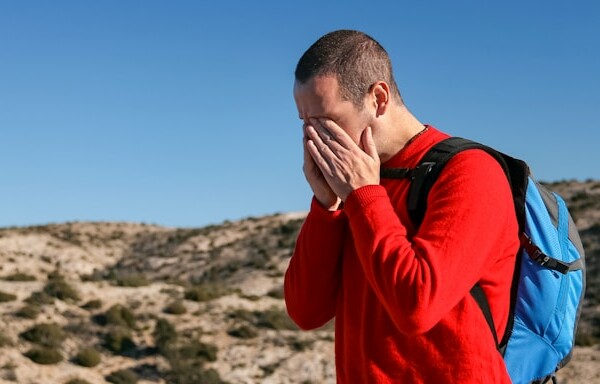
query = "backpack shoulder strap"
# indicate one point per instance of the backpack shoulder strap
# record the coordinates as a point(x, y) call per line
point(424, 175)
point(430, 167)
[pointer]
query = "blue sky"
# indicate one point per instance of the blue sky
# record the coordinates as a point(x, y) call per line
point(180, 113)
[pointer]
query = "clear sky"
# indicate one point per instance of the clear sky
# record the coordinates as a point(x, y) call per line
point(180, 113)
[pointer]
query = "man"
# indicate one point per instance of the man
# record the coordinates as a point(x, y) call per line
point(399, 294)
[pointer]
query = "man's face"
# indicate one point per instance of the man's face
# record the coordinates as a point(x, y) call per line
point(320, 97)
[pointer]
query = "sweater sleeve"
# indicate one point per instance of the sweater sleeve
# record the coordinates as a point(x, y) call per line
point(313, 275)
point(470, 217)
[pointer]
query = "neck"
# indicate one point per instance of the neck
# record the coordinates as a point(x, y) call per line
point(396, 131)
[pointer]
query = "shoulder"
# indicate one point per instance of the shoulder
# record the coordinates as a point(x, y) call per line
point(474, 162)
point(476, 178)
point(476, 175)
point(472, 188)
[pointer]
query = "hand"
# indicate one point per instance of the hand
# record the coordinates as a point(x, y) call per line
point(323, 192)
point(343, 164)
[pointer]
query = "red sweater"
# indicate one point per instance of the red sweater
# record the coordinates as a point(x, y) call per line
point(401, 297)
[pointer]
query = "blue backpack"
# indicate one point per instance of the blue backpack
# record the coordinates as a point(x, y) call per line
point(549, 279)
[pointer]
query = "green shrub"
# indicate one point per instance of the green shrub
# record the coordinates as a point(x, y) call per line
point(187, 364)
point(185, 372)
point(125, 376)
point(117, 315)
point(164, 335)
point(196, 350)
point(276, 293)
point(191, 351)
point(18, 276)
point(58, 287)
point(242, 332)
point(175, 308)
point(586, 339)
point(299, 345)
point(77, 381)
point(29, 311)
point(95, 276)
point(92, 304)
point(40, 298)
point(205, 292)
point(242, 314)
point(43, 355)
point(119, 340)
point(6, 297)
point(88, 357)
point(274, 319)
point(48, 335)
point(132, 280)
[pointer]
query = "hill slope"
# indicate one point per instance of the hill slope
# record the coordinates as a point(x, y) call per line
point(119, 301)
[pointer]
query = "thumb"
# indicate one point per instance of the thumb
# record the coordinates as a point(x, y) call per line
point(369, 143)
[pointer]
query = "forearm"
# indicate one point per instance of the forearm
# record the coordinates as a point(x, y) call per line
point(313, 276)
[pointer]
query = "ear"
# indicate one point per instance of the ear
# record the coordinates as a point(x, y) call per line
point(381, 97)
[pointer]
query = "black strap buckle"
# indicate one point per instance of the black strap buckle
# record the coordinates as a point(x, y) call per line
point(536, 254)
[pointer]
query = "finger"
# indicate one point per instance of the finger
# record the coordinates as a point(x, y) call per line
point(369, 143)
point(326, 151)
point(314, 158)
point(320, 130)
point(319, 157)
point(319, 139)
point(336, 133)
point(308, 160)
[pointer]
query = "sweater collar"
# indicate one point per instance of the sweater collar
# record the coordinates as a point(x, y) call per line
point(410, 154)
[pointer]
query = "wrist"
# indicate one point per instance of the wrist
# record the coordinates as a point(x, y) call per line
point(329, 205)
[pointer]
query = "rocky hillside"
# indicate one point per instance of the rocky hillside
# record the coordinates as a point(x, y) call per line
point(127, 303)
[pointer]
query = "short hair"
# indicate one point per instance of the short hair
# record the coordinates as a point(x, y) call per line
point(354, 58)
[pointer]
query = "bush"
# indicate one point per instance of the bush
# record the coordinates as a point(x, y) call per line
point(205, 292)
point(125, 376)
point(88, 357)
point(29, 311)
point(299, 345)
point(92, 304)
point(40, 298)
point(6, 297)
point(18, 276)
point(43, 355)
point(77, 381)
point(186, 360)
point(242, 314)
point(164, 335)
point(95, 276)
point(274, 319)
point(187, 364)
point(118, 340)
point(184, 372)
point(586, 338)
point(196, 350)
point(117, 315)
point(132, 280)
point(59, 288)
point(175, 308)
point(242, 332)
point(276, 293)
point(48, 335)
